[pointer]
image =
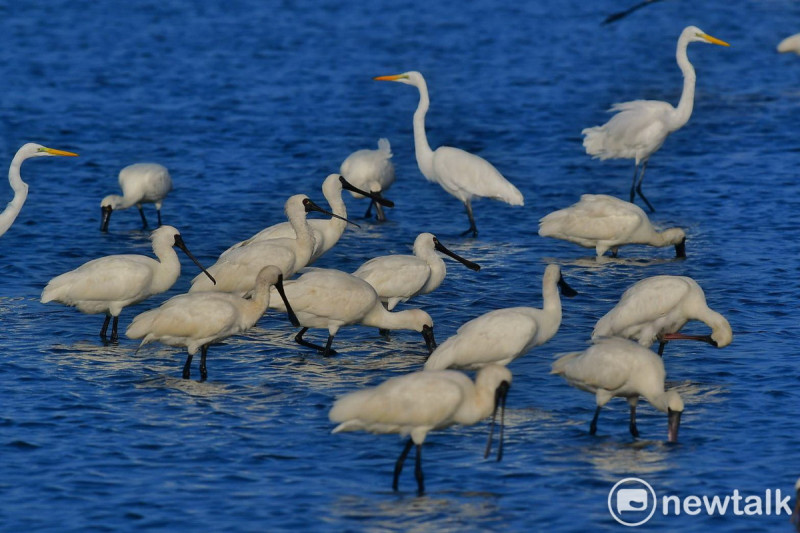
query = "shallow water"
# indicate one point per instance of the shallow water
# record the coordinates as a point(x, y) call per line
point(249, 102)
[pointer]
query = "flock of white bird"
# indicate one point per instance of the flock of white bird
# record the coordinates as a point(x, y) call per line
point(253, 275)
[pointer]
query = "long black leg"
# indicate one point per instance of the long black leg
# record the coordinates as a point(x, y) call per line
point(144, 219)
point(633, 428)
point(418, 472)
point(105, 327)
point(203, 369)
point(633, 185)
point(114, 333)
point(158, 212)
point(639, 188)
point(398, 466)
point(593, 425)
point(472, 227)
point(380, 216)
point(301, 341)
point(187, 367)
point(661, 346)
point(328, 352)
point(369, 209)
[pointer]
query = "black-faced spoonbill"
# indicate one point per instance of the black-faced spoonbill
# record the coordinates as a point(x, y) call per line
point(397, 278)
point(326, 232)
point(236, 271)
point(656, 308)
point(372, 171)
point(141, 183)
point(197, 320)
point(20, 188)
point(640, 127)
point(502, 335)
point(111, 283)
point(605, 223)
point(462, 174)
point(616, 367)
point(417, 403)
point(326, 298)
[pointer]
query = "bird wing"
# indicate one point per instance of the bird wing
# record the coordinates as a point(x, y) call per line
point(202, 315)
point(111, 278)
point(594, 369)
point(395, 276)
point(637, 129)
point(465, 175)
point(595, 217)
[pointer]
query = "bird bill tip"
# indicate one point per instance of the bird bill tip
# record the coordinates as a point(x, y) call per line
point(713, 40)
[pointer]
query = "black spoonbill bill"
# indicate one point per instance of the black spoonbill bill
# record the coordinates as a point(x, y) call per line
point(616, 367)
point(462, 174)
point(141, 183)
point(20, 188)
point(417, 403)
point(640, 127)
point(197, 320)
point(111, 283)
point(370, 170)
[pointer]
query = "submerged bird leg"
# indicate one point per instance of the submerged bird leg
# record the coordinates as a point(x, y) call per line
point(633, 185)
point(385, 333)
point(472, 227)
point(398, 466)
point(593, 425)
point(639, 189)
point(158, 212)
point(661, 346)
point(144, 219)
point(418, 472)
point(328, 351)
point(633, 428)
point(203, 369)
point(187, 366)
point(105, 327)
point(368, 214)
point(301, 341)
point(380, 216)
point(114, 333)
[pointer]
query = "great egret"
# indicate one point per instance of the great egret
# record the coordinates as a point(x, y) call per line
point(398, 278)
point(141, 183)
point(371, 170)
point(605, 223)
point(617, 367)
point(640, 127)
point(417, 403)
point(327, 298)
point(656, 308)
point(20, 188)
point(197, 320)
point(111, 283)
point(462, 174)
point(790, 44)
point(502, 335)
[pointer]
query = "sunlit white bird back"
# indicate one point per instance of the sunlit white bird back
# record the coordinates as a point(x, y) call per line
point(371, 170)
point(141, 183)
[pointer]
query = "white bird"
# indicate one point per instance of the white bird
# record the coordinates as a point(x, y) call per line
point(327, 298)
point(20, 188)
point(236, 270)
point(605, 223)
point(790, 44)
point(111, 283)
point(372, 171)
point(616, 367)
point(141, 183)
point(462, 174)
point(656, 308)
point(417, 403)
point(502, 335)
point(640, 127)
point(326, 232)
point(199, 319)
point(398, 278)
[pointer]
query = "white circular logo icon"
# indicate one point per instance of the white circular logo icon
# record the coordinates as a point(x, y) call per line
point(632, 501)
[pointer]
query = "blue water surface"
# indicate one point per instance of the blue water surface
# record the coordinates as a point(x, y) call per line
point(247, 102)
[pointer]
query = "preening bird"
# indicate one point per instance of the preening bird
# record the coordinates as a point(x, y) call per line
point(326, 232)
point(237, 269)
point(197, 320)
point(640, 127)
point(462, 174)
point(398, 278)
point(502, 335)
point(20, 188)
point(656, 308)
point(616, 367)
point(111, 283)
point(141, 183)
point(326, 298)
point(605, 223)
point(417, 403)
point(371, 170)
point(790, 44)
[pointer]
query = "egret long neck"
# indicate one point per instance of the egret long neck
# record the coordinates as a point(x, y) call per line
point(20, 188)
point(686, 103)
point(421, 146)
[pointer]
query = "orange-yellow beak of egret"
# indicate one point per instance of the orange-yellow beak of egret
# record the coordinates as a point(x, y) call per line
point(53, 151)
point(394, 77)
point(713, 40)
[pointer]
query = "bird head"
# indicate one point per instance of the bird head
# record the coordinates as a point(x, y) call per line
point(409, 78)
point(696, 35)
